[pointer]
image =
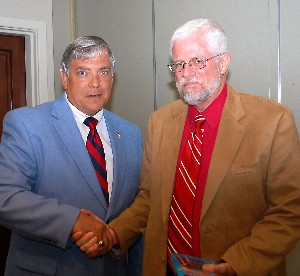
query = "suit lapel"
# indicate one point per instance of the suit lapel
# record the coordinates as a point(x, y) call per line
point(68, 131)
point(170, 144)
point(118, 145)
point(228, 140)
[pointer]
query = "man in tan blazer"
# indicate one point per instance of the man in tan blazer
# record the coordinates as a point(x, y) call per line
point(250, 213)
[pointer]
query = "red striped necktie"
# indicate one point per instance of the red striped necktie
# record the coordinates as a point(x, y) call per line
point(95, 148)
point(186, 179)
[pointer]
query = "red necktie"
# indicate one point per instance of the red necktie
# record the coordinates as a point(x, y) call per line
point(96, 151)
point(186, 179)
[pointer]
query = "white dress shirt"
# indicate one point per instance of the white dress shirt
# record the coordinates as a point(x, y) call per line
point(103, 133)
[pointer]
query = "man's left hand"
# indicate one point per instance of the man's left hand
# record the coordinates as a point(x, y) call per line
point(223, 269)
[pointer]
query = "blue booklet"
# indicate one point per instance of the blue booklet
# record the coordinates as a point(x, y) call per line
point(189, 266)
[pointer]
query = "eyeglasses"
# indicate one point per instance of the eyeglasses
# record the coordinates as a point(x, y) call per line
point(195, 63)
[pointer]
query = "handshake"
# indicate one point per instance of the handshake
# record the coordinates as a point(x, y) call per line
point(92, 235)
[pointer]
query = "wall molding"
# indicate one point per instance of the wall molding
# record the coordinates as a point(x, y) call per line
point(36, 56)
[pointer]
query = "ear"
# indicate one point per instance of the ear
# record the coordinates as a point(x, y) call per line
point(112, 81)
point(224, 63)
point(64, 79)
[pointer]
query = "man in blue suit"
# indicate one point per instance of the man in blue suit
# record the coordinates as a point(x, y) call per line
point(48, 185)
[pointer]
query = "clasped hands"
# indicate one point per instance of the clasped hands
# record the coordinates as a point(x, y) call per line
point(92, 235)
point(89, 232)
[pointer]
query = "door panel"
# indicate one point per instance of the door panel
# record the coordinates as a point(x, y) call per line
point(5, 83)
point(12, 74)
point(12, 95)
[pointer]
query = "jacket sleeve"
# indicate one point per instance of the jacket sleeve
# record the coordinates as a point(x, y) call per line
point(131, 223)
point(22, 209)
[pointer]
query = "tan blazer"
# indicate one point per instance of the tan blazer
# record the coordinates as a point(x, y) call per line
point(251, 208)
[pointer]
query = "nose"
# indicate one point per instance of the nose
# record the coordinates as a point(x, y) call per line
point(187, 70)
point(94, 81)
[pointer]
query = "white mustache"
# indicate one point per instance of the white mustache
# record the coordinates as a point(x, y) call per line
point(184, 81)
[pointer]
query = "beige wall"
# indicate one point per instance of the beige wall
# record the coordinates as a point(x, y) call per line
point(62, 37)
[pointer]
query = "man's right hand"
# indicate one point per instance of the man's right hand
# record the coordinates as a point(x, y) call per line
point(88, 231)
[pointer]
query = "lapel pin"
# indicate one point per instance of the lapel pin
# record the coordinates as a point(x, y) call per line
point(119, 135)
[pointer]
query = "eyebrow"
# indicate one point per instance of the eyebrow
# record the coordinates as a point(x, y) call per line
point(89, 69)
point(83, 68)
point(198, 57)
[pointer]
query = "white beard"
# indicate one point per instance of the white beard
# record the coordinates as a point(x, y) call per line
point(192, 97)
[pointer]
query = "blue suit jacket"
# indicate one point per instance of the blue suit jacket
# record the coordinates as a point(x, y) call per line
point(46, 176)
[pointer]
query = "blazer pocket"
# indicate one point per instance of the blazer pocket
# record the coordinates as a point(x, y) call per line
point(35, 257)
point(244, 169)
point(42, 265)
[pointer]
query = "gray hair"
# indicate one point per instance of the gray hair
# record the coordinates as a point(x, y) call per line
point(213, 32)
point(85, 47)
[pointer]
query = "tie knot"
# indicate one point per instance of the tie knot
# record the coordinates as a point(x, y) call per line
point(199, 121)
point(91, 122)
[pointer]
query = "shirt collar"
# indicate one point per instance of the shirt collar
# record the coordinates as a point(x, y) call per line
point(80, 116)
point(212, 113)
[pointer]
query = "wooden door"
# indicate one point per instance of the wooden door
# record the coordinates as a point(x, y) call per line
point(12, 95)
point(12, 74)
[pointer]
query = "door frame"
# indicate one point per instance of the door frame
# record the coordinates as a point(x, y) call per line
point(38, 66)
